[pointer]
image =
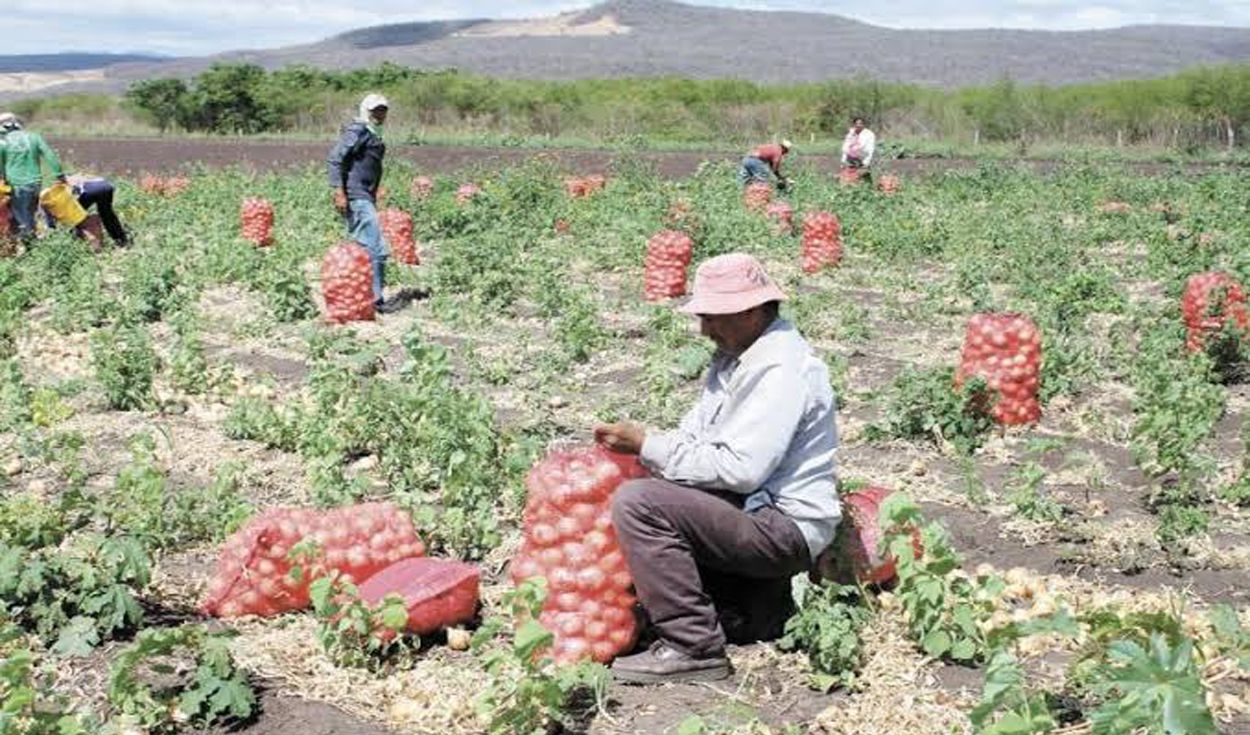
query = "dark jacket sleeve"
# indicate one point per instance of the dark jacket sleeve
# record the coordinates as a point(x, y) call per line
point(341, 154)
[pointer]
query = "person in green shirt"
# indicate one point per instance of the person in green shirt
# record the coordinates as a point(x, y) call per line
point(23, 155)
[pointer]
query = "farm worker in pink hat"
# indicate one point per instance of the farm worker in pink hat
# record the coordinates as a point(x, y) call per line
point(743, 494)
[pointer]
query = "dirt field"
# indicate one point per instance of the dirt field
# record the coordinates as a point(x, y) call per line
point(876, 315)
point(130, 157)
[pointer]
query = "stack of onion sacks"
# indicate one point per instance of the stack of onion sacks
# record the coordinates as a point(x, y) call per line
point(757, 196)
point(570, 541)
point(397, 230)
point(1005, 350)
point(822, 241)
point(256, 216)
point(1212, 301)
point(347, 284)
point(668, 255)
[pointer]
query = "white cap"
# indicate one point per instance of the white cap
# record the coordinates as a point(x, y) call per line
point(785, 143)
point(373, 102)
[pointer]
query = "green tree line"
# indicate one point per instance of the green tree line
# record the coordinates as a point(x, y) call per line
point(1202, 107)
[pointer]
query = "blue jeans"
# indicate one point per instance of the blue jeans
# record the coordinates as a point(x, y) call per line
point(24, 205)
point(754, 170)
point(363, 227)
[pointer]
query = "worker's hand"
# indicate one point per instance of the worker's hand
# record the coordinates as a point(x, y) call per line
point(624, 437)
point(340, 201)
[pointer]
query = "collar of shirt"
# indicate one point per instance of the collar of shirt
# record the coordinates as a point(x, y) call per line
point(760, 347)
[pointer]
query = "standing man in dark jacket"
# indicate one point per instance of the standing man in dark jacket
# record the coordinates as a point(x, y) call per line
point(355, 167)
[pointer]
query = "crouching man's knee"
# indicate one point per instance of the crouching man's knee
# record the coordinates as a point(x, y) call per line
point(632, 501)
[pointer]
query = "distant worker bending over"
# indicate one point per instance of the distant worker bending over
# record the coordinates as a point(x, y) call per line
point(23, 155)
point(763, 164)
point(98, 192)
point(858, 146)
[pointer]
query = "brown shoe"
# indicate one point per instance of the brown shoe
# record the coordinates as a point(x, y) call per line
point(661, 663)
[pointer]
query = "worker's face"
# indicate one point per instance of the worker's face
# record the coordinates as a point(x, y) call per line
point(734, 333)
point(858, 125)
point(378, 114)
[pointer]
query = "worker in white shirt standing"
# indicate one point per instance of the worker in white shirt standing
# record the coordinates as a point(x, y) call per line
point(858, 147)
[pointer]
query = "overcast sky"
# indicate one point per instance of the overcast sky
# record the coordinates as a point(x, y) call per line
point(192, 27)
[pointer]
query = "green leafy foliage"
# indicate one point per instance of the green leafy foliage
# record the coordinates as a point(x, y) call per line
point(827, 628)
point(28, 705)
point(528, 692)
point(927, 405)
point(1156, 686)
point(1027, 496)
point(1007, 707)
point(125, 365)
point(172, 676)
point(147, 505)
point(151, 288)
point(75, 595)
point(356, 635)
point(945, 609)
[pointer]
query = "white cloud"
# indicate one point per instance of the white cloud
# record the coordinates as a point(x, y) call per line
point(207, 26)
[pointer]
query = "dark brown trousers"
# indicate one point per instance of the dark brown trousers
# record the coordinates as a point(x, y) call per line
point(699, 562)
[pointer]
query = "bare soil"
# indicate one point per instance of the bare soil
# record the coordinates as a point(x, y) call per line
point(131, 156)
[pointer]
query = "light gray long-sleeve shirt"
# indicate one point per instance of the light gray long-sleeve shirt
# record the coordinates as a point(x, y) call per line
point(763, 427)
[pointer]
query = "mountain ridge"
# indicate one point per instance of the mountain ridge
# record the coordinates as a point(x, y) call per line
point(663, 38)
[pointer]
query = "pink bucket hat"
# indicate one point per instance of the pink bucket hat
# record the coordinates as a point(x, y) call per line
point(730, 284)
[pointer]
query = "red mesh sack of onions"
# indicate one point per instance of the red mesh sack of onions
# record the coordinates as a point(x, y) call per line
point(347, 284)
point(253, 574)
point(858, 552)
point(664, 272)
point(782, 215)
point(466, 193)
point(570, 541)
point(256, 216)
point(583, 186)
point(757, 195)
point(422, 187)
point(438, 593)
point(6, 224)
point(1005, 350)
point(397, 229)
point(822, 241)
point(1212, 300)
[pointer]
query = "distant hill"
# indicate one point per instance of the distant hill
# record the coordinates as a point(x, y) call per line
point(663, 38)
point(67, 61)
